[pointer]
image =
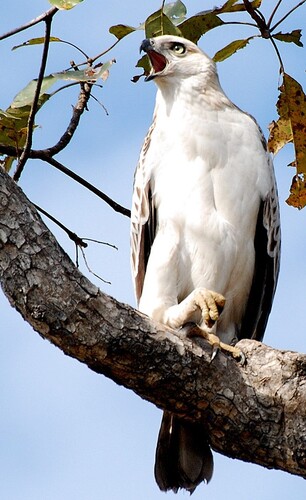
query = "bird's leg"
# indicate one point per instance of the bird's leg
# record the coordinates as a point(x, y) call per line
point(202, 307)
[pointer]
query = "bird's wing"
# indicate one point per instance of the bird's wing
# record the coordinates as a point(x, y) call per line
point(267, 260)
point(143, 219)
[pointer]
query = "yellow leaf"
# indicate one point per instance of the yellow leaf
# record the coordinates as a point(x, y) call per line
point(297, 196)
point(291, 125)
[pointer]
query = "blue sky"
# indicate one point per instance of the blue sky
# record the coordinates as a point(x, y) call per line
point(66, 432)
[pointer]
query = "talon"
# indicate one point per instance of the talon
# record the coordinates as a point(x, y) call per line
point(214, 353)
point(242, 359)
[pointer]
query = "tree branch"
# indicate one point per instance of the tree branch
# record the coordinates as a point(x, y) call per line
point(27, 148)
point(39, 19)
point(78, 110)
point(42, 155)
point(254, 412)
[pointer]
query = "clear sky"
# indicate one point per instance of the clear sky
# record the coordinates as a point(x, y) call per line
point(66, 432)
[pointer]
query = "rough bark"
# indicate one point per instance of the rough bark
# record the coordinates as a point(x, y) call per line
point(254, 412)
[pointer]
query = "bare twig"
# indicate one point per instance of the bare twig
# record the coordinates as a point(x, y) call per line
point(101, 242)
point(73, 236)
point(288, 14)
point(115, 206)
point(27, 148)
point(93, 59)
point(281, 65)
point(90, 270)
point(273, 13)
point(78, 110)
point(42, 155)
point(39, 19)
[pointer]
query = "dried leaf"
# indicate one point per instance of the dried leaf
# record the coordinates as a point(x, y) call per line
point(291, 107)
point(297, 196)
point(293, 37)
point(280, 134)
point(13, 131)
point(230, 49)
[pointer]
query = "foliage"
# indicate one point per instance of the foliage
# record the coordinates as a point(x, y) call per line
point(17, 122)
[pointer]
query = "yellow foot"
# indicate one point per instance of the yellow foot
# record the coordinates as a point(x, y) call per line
point(201, 306)
point(215, 342)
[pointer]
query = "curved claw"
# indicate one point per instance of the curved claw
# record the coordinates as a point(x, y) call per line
point(242, 359)
point(214, 353)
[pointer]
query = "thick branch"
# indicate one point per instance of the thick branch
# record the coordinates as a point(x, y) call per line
point(255, 412)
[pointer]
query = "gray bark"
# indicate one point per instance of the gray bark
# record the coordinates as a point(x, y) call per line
point(254, 412)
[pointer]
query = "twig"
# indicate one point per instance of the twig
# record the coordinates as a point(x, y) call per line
point(258, 18)
point(89, 270)
point(73, 236)
point(281, 65)
point(27, 148)
point(39, 19)
point(273, 13)
point(288, 14)
point(91, 60)
point(42, 155)
point(78, 110)
point(115, 206)
point(101, 242)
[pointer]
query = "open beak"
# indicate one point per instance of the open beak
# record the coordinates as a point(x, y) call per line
point(157, 60)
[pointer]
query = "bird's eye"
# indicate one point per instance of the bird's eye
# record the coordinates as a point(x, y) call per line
point(178, 48)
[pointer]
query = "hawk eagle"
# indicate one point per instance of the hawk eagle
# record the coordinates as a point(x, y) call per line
point(205, 231)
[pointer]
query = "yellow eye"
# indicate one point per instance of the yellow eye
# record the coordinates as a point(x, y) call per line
point(178, 48)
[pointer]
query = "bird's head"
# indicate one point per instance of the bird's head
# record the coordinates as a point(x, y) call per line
point(173, 56)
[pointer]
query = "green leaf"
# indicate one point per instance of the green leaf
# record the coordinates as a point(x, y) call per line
point(176, 11)
point(196, 26)
point(230, 49)
point(25, 96)
point(36, 41)
point(293, 37)
point(121, 30)
point(86, 75)
point(159, 24)
point(65, 4)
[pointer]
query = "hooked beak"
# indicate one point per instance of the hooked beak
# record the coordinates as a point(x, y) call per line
point(157, 60)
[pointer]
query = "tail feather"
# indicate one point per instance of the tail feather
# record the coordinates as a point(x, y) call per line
point(183, 456)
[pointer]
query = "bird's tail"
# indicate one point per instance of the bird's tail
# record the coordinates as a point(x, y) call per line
point(183, 456)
